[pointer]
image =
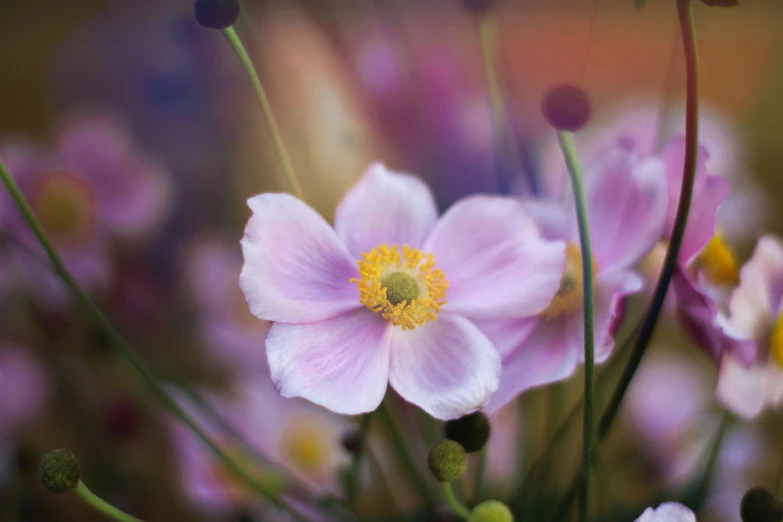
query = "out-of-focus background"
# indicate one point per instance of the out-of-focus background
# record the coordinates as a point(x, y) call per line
point(158, 110)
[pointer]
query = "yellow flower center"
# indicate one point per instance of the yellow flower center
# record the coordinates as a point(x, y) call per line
point(305, 448)
point(404, 287)
point(64, 205)
point(776, 342)
point(717, 262)
point(569, 298)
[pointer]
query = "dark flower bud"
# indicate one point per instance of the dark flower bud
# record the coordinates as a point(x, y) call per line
point(60, 471)
point(566, 107)
point(471, 431)
point(351, 440)
point(721, 3)
point(761, 505)
point(491, 511)
point(217, 14)
point(447, 460)
point(478, 7)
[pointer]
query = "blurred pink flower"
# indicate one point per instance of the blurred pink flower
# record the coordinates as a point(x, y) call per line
point(228, 328)
point(626, 201)
point(92, 188)
point(338, 343)
point(667, 512)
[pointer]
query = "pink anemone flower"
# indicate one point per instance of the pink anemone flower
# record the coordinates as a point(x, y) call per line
point(392, 293)
point(626, 202)
point(668, 512)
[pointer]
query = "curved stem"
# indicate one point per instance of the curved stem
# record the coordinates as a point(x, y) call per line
point(454, 503)
point(269, 116)
point(712, 459)
point(685, 13)
point(102, 506)
point(125, 350)
point(567, 146)
point(356, 460)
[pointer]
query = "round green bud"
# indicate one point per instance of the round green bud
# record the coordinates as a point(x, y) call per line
point(471, 431)
point(400, 287)
point(447, 460)
point(60, 471)
point(761, 505)
point(491, 511)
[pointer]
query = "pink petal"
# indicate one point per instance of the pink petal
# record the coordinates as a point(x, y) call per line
point(754, 305)
point(611, 290)
point(506, 334)
point(668, 512)
point(748, 391)
point(446, 367)
point(385, 207)
point(709, 191)
point(494, 258)
point(296, 270)
point(549, 355)
point(341, 363)
point(627, 202)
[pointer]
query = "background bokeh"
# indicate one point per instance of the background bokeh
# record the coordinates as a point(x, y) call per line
point(351, 82)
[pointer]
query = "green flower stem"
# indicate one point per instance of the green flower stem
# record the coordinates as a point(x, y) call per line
point(712, 458)
point(269, 117)
point(687, 30)
point(125, 350)
point(480, 472)
point(356, 459)
point(504, 134)
point(398, 442)
point(451, 499)
point(780, 480)
point(102, 506)
point(569, 152)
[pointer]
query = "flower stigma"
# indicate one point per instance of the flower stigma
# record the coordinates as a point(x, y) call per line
point(403, 286)
point(717, 262)
point(776, 342)
point(64, 204)
point(569, 297)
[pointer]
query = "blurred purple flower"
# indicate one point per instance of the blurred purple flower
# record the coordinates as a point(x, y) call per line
point(337, 345)
point(92, 188)
point(626, 201)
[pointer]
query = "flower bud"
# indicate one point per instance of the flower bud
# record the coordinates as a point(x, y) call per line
point(491, 511)
point(471, 431)
point(447, 460)
point(760, 505)
point(351, 440)
point(478, 7)
point(217, 14)
point(721, 3)
point(60, 471)
point(566, 107)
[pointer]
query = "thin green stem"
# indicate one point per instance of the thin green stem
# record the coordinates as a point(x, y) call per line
point(124, 348)
point(269, 117)
point(569, 152)
point(356, 460)
point(451, 499)
point(398, 442)
point(712, 459)
point(780, 480)
point(482, 468)
point(102, 506)
point(504, 134)
point(685, 14)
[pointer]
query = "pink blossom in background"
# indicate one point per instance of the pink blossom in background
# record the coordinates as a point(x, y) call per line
point(94, 187)
point(668, 512)
point(484, 256)
point(626, 201)
point(229, 330)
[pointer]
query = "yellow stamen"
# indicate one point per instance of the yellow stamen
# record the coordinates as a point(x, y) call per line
point(569, 297)
point(64, 204)
point(776, 342)
point(405, 288)
point(305, 449)
point(717, 262)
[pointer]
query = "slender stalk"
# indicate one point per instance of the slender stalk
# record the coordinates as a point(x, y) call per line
point(124, 348)
point(269, 117)
point(482, 468)
point(398, 442)
point(102, 506)
point(356, 459)
point(504, 134)
point(451, 499)
point(712, 459)
point(569, 152)
point(780, 480)
point(685, 14)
